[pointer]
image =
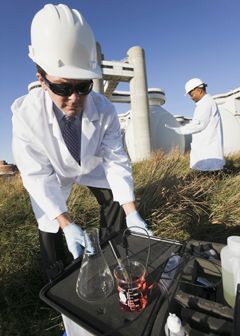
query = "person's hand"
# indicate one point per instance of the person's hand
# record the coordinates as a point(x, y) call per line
point(175, 129)
point(75, 239)
point(136, 224)
point(170, 127)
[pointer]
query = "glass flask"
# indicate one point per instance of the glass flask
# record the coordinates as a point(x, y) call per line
point(95, 281)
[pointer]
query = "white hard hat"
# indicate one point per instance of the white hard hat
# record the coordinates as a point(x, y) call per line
point(193, 83)
point(63, 44)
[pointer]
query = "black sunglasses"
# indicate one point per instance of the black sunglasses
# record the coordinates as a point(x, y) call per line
point(66, 90)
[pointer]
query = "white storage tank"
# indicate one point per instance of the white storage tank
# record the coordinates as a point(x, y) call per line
point(229, 108)
point(161, 138)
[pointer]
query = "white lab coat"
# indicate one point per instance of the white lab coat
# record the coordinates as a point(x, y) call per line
point(47, 168)
point(207, 136)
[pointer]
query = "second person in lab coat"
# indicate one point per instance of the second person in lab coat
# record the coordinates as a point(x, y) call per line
point(206, 129)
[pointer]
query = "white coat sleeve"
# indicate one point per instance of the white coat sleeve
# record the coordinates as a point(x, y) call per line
point(199, 122)
point(38, 176)
point(116, 163)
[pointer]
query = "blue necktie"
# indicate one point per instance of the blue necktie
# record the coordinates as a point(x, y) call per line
point(71, 137)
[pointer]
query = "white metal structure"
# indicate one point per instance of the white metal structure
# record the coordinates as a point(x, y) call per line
point(161, 138)
point(132, 70)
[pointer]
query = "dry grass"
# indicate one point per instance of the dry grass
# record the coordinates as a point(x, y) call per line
point(176, 203)
point(181, 204)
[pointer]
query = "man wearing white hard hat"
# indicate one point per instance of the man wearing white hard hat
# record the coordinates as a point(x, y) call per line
point(206, 129)
point(64, 133)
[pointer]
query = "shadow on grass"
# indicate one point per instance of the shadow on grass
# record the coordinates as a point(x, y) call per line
point(22, 311)
point(217, 233)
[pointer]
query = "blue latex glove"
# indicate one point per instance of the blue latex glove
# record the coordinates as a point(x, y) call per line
point(136, 224)
point(75, 239)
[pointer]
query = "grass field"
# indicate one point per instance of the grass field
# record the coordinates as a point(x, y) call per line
point(175, 202)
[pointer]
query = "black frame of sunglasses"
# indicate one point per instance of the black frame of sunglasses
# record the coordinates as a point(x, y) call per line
point(66, 90)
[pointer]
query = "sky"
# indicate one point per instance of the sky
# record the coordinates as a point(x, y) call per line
point(182, 39)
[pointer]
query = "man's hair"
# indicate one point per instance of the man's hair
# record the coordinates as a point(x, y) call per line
point(40, 70)
point(203, 87)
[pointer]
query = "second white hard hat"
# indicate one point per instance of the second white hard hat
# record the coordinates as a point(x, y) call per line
point(193, 83)
point(63, 44)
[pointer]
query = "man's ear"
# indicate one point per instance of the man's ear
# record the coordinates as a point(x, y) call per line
point(41, 81)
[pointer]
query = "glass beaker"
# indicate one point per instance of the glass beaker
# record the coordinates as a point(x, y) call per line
point(95, 280)
point(131, 284)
